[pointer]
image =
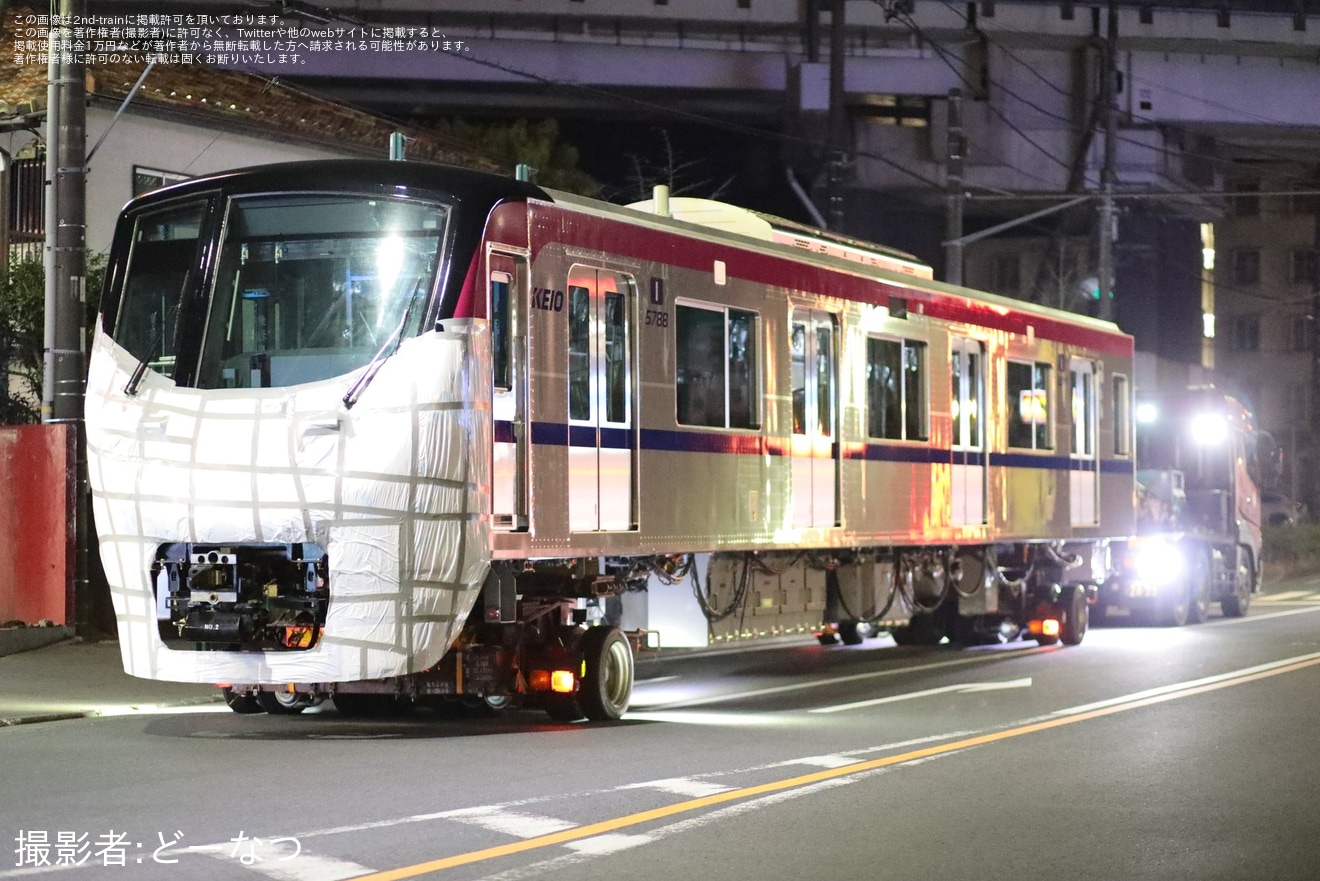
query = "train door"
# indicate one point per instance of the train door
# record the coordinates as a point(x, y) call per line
point(814, 370)
point(508, 335)
point(968, 411)
point(602, 445)
point(1084, 485)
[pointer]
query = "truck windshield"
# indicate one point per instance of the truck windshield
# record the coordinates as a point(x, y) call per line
point(307, 286)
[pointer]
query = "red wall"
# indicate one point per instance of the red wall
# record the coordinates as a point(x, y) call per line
point(36, 524)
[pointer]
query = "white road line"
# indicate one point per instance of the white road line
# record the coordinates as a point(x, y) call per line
point(964, 688)
point(681, 786)
point(498, 819)
point(599, 845)
point(275, 862)
point(1182, 686)
point(980, 658)
point(824, 761)
point(1252, 619)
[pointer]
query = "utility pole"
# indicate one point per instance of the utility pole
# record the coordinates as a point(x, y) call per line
point(1106, 224)
point(953, 177)
point(66, 272)
point(838, 117)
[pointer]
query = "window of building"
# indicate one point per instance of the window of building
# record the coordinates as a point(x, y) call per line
point(1246, 266)
point(147, 179)
point(1122, 416)
point(1246, 333)
point(1299, 333)
point(1303, 266)
point(1029, 405)
point(896, 389)
point(1246, 198)
point(717, 375)
point(1298, 401)
point(1008, 275)
point(909, 111)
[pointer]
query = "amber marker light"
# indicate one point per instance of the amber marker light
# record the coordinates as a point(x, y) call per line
point(562, 681)
point(539, 680)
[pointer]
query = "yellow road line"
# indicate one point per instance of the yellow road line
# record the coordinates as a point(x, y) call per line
point(697, 804)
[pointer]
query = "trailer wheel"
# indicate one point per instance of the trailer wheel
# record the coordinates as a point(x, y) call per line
point(853, 632)
point(243, 704)
point(1072, 630)
point(1235, 604)
point(922, 629)
point(1198, 582)
point(607, 680)
point(282, 703)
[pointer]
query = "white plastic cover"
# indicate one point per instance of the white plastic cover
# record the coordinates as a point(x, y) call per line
point(393, 489)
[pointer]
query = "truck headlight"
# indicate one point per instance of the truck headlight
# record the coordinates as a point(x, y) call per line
point(1157, 561)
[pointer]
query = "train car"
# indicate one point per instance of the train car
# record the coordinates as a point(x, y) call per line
point(392, 432)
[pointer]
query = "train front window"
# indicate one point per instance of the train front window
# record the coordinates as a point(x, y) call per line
point(315, 286)
point(160, 263)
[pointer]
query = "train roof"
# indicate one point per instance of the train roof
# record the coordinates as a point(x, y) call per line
point(712, 221)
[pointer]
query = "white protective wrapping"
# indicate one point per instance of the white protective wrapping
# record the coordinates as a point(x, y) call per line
point(395, 493)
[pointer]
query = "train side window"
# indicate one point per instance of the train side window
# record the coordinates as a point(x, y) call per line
point(896, 389)
point(717, 367)
point(1122, 416)
point(579, 353)
point(1029, 405)
point(500, 283)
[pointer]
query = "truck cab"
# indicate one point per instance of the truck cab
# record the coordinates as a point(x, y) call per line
point(1201, 464)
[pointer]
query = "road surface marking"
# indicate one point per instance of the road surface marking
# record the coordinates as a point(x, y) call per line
point(833, 776)
point(498, 819)
point(1312, 658)
point(1288, 596)
point(605, 844)
point(837, 680)
point(275, 862)
point(824, 761)
point(681, 786)
point(965, 688)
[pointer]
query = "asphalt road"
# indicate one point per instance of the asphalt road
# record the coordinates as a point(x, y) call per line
point(1143, 753)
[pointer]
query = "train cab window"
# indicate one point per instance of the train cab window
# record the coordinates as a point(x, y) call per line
point(717, 366)
point(163, 253)
point(579, 352)
point(1029, 406)
point(499, 328)
point(896, 389)
point(1122, 416)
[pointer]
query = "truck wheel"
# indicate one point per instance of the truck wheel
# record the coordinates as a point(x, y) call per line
point(1198, 582)
point(282, 703)
point(1173, 611)
point(243, 704)
point(1235, 604)
point(607, 682)
point(1076, 617)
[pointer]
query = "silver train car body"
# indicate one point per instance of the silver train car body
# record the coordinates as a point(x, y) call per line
point(396, 428)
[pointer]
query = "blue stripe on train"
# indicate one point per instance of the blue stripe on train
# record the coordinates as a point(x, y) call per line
point(674, 441)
